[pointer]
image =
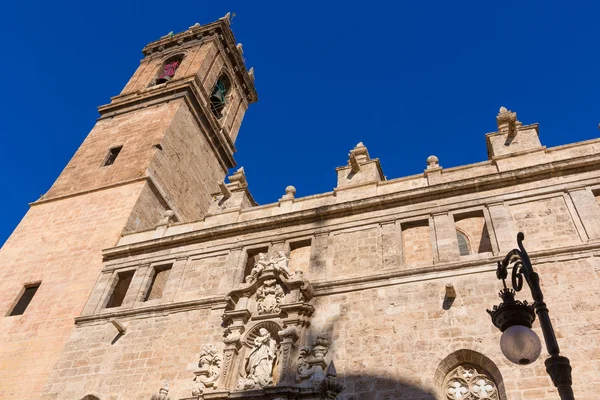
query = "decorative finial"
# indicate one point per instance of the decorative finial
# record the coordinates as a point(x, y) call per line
point(507, 122)
point(251, 73)
point(432, 162)
point(290, 191)
point(163, 393)
point(240, 48)
point(227, 17)
point(196, 25)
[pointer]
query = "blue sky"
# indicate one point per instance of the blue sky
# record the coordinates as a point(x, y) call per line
point(409, 79)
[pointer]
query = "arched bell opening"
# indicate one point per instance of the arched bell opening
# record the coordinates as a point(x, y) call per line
point(218, 96)
point(168, 69)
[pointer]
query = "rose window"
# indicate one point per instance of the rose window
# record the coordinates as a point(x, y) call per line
point(467, 382)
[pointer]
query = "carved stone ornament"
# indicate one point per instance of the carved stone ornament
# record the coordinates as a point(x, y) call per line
point(209, 369)
point(311, 363)
point(268, 297)
point(262, 321)
point(280, 263)
point(163, 393)
point(467, 382)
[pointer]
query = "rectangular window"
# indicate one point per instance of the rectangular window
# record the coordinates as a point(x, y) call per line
point(159, 281)
point(25, 299)
point(118, 294)
point(112, 155)
point(299, 256)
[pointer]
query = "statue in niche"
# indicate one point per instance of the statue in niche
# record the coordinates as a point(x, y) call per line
point(268, 297)
point(259, 267)
point(260, 362)
point(280, 264)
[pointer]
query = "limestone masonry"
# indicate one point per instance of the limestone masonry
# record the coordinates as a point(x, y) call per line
point(143, 273)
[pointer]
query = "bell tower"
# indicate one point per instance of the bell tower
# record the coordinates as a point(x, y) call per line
point(162, 144)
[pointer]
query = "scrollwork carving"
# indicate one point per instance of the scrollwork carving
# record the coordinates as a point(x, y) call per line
point(209, 369)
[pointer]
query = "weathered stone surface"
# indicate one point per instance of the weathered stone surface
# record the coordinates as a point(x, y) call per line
point(358, 276)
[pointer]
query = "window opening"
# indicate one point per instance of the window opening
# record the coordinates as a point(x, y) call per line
point(168, 69)
point(463, 244)
point(467, 382)
point(112, 155)
point(118, 294)
point(218, 97)
point(25, 299)
point(159, 281)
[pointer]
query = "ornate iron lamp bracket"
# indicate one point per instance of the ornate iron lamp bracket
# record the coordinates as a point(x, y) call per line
point(557, 366)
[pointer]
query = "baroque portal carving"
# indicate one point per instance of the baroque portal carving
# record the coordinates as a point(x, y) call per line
point(264, 321)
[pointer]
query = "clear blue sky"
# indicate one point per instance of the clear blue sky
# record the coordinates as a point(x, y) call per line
point(409, 79)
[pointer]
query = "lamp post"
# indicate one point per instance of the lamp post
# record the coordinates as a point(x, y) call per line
point(514, 318)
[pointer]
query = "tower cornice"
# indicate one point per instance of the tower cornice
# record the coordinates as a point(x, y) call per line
point(190, 89)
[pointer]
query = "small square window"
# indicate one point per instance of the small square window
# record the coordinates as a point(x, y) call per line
point(25, 299)
point(159, 281)
point(118, 294)
point(112, 156)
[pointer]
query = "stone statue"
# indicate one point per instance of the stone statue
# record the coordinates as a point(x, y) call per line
point(280, 264)
point(260, 362)
point(259, 267)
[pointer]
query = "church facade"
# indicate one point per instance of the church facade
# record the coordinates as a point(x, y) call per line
point(144, 274)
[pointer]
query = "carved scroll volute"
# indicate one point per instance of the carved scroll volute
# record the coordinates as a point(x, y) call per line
point(232, 346)
point(288, 336)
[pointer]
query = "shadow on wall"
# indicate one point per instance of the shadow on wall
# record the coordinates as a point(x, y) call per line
point(372, 387)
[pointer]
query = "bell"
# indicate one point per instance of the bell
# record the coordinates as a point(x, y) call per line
point(163, 79)
point(217, 97)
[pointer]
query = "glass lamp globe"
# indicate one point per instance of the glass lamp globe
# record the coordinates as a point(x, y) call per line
point(520, 344)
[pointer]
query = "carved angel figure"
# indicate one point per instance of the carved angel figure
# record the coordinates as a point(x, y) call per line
point(280, 264)
point(258, 268)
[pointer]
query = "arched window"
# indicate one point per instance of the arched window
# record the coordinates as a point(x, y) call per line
point(468, 375)
point(168, 68)
point(463, 243)
point(467, 382)
point(90, 397)
point(218, 97)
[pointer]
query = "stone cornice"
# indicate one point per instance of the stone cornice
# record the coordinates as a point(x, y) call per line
point(389, 277)
point(438, 191)
point(189, 89)
point(167, 308)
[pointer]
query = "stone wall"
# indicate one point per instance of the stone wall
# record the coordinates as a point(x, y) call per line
point(58, 244)
point(380, 294)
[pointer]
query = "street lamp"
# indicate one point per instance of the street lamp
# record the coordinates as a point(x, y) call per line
point(514, 318)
